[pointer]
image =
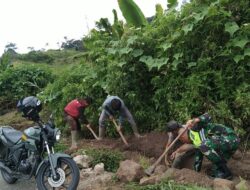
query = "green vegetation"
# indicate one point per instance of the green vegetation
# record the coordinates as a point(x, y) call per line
point(18, 82)
point(110, 158)
point(168, 185)
point(132, 13)
point(181, 64)
point(60, 147)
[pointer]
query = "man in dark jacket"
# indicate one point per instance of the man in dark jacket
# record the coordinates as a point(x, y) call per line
point(74, 115)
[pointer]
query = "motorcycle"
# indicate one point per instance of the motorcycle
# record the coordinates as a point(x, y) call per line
point(31, 153)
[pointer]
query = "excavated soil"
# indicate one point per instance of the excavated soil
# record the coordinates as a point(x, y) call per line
point(152, 145)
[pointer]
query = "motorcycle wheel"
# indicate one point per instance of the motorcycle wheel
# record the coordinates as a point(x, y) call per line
point(8, 178)
point(67, 172)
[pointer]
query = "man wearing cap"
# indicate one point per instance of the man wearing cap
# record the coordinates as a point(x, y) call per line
point(216, 141)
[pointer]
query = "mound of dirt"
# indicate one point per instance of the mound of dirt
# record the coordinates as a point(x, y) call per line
point(152, 145)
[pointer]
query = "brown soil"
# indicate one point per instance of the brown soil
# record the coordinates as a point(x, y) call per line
point(152, 146)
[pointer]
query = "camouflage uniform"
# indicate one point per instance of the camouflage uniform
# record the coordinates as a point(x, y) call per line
point(217, 142)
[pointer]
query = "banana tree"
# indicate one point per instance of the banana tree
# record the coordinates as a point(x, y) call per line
point(132, 13)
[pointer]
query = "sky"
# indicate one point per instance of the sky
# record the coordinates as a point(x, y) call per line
point(43, 23)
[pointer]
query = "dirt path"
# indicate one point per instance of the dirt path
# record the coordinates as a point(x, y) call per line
point(19, 185)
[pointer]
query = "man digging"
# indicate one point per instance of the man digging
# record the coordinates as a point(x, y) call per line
point(114, 105)
point(216, 141)
point(74, 116)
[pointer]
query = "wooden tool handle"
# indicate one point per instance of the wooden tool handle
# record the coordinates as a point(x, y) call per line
point(168, 148)
point(120, 133)
point(91, 130)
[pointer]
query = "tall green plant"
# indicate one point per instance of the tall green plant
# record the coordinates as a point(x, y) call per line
point(4, 62)
point(132, 13)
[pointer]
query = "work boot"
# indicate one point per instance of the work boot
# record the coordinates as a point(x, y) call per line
point(101, 132)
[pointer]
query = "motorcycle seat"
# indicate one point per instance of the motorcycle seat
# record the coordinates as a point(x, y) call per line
point(11, 135)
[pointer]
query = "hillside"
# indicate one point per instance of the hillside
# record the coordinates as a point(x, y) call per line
point(177, 65)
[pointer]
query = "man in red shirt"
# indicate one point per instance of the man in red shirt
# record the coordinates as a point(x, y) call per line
point(74, 115)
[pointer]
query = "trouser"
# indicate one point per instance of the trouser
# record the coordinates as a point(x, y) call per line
point(218, 149)
point(75, 127)
point(73, 123)
point(124, 114)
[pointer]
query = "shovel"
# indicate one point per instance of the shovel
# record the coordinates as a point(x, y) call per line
point(91, 130)
point(149, 171)
point(120, 133)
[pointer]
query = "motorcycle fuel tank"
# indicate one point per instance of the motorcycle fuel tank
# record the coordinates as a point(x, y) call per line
point(33, 133)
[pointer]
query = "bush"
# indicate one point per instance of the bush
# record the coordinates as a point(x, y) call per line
point(37, 57)
point(110, 158)
point(19, 82)
point(180, 65)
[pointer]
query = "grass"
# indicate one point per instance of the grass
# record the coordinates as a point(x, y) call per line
point(110, 158)
point(165, 185)
point(144, 162)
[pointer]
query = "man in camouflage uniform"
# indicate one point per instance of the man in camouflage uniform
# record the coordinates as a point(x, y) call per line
point(216, 141)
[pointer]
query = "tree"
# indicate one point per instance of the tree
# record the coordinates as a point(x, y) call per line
point(5, 62)
point(10, 46)
point(72, 44)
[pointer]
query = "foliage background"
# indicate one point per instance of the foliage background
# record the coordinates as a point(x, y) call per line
point(179, 65)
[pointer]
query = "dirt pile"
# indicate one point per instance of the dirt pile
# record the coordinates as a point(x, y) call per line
point(152, 146)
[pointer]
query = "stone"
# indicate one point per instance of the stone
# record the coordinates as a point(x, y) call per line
point(160, 169)
point(99, 168)
point(94, 182)
point(82, 161)
point(129, 171)
point(223, 184)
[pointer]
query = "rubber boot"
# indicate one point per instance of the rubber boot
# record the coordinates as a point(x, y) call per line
point(135, 130)
point(221, 171)
point(74, 137)
point(224, 172)
point(102, 131)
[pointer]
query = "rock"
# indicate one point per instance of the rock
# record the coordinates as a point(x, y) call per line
point(94, 181)
point(160, 169)
point(82, 161)
point(186, 176)
point(169, 174)
point(223, 184)
point(99, 168)
point(149, 180)
point(237, 155)
point(129, 171)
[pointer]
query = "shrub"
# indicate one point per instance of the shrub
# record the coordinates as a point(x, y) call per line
point(110, 158)
point(18, 82)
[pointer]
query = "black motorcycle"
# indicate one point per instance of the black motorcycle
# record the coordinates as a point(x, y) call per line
point(31, 153)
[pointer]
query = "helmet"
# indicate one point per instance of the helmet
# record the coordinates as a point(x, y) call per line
point(172, 125)
point(30, 107)
point(116, 104)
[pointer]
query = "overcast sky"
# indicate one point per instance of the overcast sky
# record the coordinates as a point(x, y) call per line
point(33, 23)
